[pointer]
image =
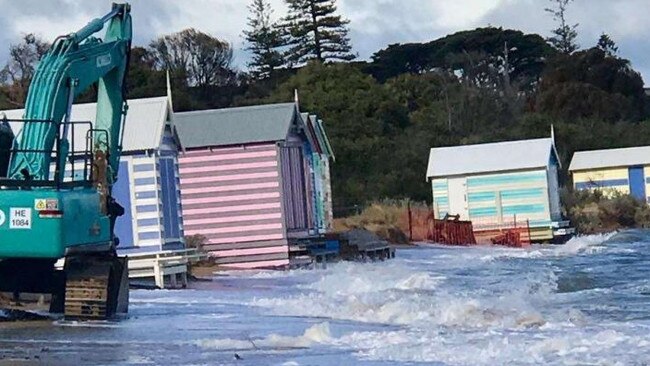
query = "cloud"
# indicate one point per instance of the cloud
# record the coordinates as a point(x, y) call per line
point(374, 23)
point(625, 21)
point(52, 18)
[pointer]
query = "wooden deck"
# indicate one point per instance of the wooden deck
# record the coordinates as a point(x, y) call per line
point(168, 269)
point(317, 252)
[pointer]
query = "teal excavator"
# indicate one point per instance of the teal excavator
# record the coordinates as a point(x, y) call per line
point(56, 177)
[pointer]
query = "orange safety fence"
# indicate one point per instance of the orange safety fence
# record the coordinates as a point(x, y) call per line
point(452, 231)
point(421, 226)
point(510, 232)
point(419, 223)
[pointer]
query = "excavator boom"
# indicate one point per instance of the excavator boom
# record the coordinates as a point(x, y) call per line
point(46, 213)
point(69, 68)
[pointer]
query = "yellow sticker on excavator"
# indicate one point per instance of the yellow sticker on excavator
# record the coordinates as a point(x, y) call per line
point(40, 205)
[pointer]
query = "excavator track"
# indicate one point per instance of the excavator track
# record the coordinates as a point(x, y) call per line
point(96, 287)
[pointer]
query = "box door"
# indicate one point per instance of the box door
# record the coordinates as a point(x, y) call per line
point(458, 197)
point(637, 182)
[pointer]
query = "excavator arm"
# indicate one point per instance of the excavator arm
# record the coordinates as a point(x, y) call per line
point(69, 68)
point(44, 219)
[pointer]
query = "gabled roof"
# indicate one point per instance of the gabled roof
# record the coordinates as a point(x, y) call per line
point(234, 126)
point(311, 133)
point(145, 122)
point(492, 157)
point(609, 158)
point(322, 134)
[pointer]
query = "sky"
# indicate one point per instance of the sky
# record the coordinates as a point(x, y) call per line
point(374, 24)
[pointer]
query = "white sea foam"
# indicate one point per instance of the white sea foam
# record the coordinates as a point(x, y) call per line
point(495, 348)
point(317, 334)
point(139, 360)
point(588, 244)
point(400, 296)
point(515, 317)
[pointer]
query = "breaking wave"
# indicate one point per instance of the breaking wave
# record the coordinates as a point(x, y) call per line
point(475, 306)
point(317, 334)
point(589, 244)
point(395, 295)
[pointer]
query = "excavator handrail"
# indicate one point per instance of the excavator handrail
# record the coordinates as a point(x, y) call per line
point(74, 63)
point(74, 153)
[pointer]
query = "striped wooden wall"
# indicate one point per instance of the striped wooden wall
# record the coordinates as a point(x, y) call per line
point(609, 180)
point(310, 188)
point(497, 199)
point(295, 193)
point(319, 194)
point(155, 202)
point(327, 194)
point(500, 198)
point(170, 192)
point(606, 180)
point(145, 201)
point(232, 197)
point(149, 190)
point(440, 197)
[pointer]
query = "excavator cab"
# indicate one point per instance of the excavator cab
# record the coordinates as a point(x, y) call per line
point(6, 141)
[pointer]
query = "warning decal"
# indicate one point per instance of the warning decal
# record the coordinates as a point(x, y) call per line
point(46, 204)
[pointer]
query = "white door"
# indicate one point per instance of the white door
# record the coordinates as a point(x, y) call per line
point(458, 197)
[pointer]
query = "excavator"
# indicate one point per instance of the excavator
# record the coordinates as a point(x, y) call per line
point(55, 186)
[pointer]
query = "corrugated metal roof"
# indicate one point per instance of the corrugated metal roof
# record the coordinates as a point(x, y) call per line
point(492, 157)
point(145, 122)
point(234, 126)
point(630, 156)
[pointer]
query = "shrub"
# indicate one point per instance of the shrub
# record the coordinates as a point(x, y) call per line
point(195, 241)
point(382, 218)
point(603, 211)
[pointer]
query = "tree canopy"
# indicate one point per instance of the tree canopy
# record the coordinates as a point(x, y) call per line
point(265, 40)
point(383, 116)
point(564, 36)
point(478, 53)
point(315, 31)
point(19, 70)
point(592, 83)
point(203, 59)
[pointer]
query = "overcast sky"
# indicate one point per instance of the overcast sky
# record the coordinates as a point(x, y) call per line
point(374, 23)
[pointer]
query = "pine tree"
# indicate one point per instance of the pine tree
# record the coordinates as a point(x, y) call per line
point(564, 39)
point(316, 32)
point(264, 39)
point(607, 44)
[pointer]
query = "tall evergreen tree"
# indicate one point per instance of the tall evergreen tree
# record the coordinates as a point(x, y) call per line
point(607, 44)
point(264, 39)
point(564, 36)
point(315, 31)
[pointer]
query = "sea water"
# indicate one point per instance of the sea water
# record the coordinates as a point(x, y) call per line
point(584, 303)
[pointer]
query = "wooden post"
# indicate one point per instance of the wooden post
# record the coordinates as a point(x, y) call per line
point(410, 221)
point(157, 275)
point(184, 279)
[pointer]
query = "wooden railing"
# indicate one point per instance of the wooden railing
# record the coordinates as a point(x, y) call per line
point(159, 265)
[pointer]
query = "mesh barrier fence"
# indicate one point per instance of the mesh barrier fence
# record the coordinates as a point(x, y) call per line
point(421, 226)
